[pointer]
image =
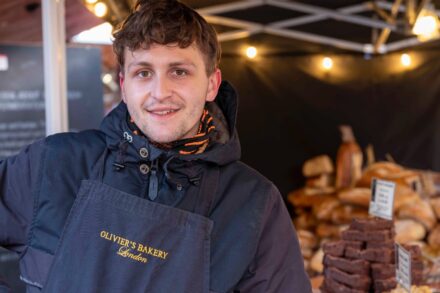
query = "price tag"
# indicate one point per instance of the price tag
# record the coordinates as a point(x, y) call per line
point(382, 199)
point(403, 267)
point(4, 65)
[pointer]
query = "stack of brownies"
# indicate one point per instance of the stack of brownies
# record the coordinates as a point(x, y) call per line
point(364, 260)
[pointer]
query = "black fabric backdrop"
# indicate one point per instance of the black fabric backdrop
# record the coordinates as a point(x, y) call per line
point(290, 109)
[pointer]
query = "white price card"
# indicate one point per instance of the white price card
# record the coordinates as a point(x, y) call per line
point(403, 267)
point(382, 199)
point(4, 64)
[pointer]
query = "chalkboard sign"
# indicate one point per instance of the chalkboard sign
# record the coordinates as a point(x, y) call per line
point(22, 109)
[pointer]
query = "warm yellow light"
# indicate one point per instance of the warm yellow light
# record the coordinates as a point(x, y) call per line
point(251, 52)
point(426, 26)
point(327, 63)
point(405, 59)
point(100, 9)
point(107, 78)
point(91, 1)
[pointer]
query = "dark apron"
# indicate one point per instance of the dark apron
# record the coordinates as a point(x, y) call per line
point(118, 242)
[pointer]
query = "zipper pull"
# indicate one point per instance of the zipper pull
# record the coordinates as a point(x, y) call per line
point(153, 186)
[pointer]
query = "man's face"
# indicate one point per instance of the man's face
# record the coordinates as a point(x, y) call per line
point(165, 89)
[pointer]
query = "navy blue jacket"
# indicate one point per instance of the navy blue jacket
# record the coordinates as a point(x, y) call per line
point(254, 247)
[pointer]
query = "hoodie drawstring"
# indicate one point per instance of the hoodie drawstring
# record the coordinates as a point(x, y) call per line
point(154, 184)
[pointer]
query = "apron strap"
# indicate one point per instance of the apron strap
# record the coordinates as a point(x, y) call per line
point(207, 191)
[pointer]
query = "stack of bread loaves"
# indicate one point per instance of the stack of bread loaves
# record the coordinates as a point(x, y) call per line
point(322, 211)
point(364, 260)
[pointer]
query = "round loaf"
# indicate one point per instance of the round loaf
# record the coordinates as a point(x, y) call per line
point(408, 231)
point(420, 211)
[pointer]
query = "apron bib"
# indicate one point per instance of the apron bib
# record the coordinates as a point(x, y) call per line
point(117, 242)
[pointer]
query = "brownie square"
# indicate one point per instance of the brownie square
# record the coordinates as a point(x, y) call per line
point(373, 255)
point(380, 236)
point(371, 224)
point(332, 286)
point(358, 266)
point(381, 271)
point(335, 248)
point(355, 244)
point(385, 285)
point(355, 281)
point(390, 244)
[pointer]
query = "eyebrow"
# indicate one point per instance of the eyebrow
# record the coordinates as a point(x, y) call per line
point(140, 63)
point(172, 64)
point(186, 63)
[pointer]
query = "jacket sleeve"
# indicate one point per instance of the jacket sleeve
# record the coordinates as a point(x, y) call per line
point(18, 180)
point(278, 266)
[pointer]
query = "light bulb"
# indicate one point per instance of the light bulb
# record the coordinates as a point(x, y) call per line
point(405, 59)
point(426, 25)
point(327, 63)
point(251, 52)
point(100, 9)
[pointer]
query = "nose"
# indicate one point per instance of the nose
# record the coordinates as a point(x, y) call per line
point(160, 88)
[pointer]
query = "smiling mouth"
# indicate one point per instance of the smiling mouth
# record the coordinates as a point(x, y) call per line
point(162, 112)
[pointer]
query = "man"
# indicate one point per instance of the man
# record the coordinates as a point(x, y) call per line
point(156, 201)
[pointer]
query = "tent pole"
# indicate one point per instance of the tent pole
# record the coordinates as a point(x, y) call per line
point(55, 80)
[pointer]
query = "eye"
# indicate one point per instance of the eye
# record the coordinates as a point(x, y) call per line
point(144, 74)
point(180, 72)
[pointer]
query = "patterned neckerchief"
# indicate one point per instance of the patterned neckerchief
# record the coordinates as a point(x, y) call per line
point(187, 146)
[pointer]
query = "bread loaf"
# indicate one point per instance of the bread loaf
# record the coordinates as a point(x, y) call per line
point(380, 170)
point(316, 261)
point(408, 231)
point(421, 211)
point(348, 160)
point(320, 181)
point(434, 237)
point(323, 211)
point(356, 196)
point(435, 204)
point(307, 239)
point(317, 166)
point(403, 195)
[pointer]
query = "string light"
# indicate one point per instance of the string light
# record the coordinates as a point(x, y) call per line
point(327, 63)
point(251, 52)
point(100, 9)
point(405, 59)
point(91, 1)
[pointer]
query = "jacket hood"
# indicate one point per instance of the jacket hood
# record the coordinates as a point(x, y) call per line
point(224, 147)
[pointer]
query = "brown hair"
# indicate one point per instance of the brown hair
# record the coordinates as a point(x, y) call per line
point(166, 22)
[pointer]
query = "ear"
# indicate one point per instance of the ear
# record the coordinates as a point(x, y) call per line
point(214, 81)
point(121, 84)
